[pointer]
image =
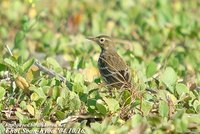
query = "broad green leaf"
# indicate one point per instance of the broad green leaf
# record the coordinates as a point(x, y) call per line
point(60, 115)
point(113, 105)
point(151, 69)
point(39, 92)
point(18, 38)
point(126, 97)
point(196, 105)
point(75, 102)
point(146, 107)
point(46, 109)
point(2, 67)
point(169, 77)
point(23, 119)
point(40, 101)
point(78, 78)
point(78, 87)
point(163, 109)
point(59, 101)
point(2, 92)
point(193, 118)
point(1, 106)
point(164, 94)
point(78, 63)
point(135, 120)
point(34, 97)
point(101, 107)
point(26, 66)
point(55, 92)
point(181, 88)
point(138, 50)
point(2, 129)
point(91, 102)
point(31, 110)
point(23, 105)
point(181, 124)
point(96, 126)
point(44, 82)
point(54, 63)
point(156, 40)
point(10, 62)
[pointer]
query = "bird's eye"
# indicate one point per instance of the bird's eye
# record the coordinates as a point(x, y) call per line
point(102, 40)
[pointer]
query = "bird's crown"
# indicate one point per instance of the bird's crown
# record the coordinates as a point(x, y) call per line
point(104, 41)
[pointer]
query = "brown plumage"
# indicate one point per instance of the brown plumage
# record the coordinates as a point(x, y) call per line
point(111, 66)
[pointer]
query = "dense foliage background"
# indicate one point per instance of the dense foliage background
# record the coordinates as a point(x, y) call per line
point(159, 40)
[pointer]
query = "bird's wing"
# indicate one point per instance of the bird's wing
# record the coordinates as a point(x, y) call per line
point(115, 69)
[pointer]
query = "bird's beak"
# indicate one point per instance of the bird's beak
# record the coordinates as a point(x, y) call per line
point(92, 39)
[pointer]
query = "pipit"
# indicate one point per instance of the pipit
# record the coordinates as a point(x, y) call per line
point(113, 69)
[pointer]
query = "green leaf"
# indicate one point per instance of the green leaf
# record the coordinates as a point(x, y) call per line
point(163, 109)
point(23, 119)
point(2, 92)
point(1, 106)
point(75, 102)
point(78, 63)
point(55, 64)
point(23, 105)
point(193, 118)
point(60, 115)
point(55, 92)
point(91, 102)
point(151, 69)
point(138, 50)
point(40, 102)
point(113, 105)
point(2, 129)
point(181, 124)
point(100, 106)
point(40, 92)
point(59, 101)
point(34, 97)
point(44, 82)
point(18, 38)
point(146, 107)
point(31, 110)
point(135, 120)
point(169, 77)
point(78, 78)
point(2, 67)
point(40, 97)
point(126, 97)
point(196, 105)
point(26, 66)
point(181, 88)
point(78, 87)
point(96, 126)
point(46, 109)
point(10, 62)
point(156, 40)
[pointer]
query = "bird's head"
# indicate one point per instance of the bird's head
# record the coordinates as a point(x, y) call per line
point(105, 42)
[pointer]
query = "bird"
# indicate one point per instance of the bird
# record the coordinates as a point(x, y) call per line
point(112, 67)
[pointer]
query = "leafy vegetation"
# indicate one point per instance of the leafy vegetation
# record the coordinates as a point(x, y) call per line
point(159, 40)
